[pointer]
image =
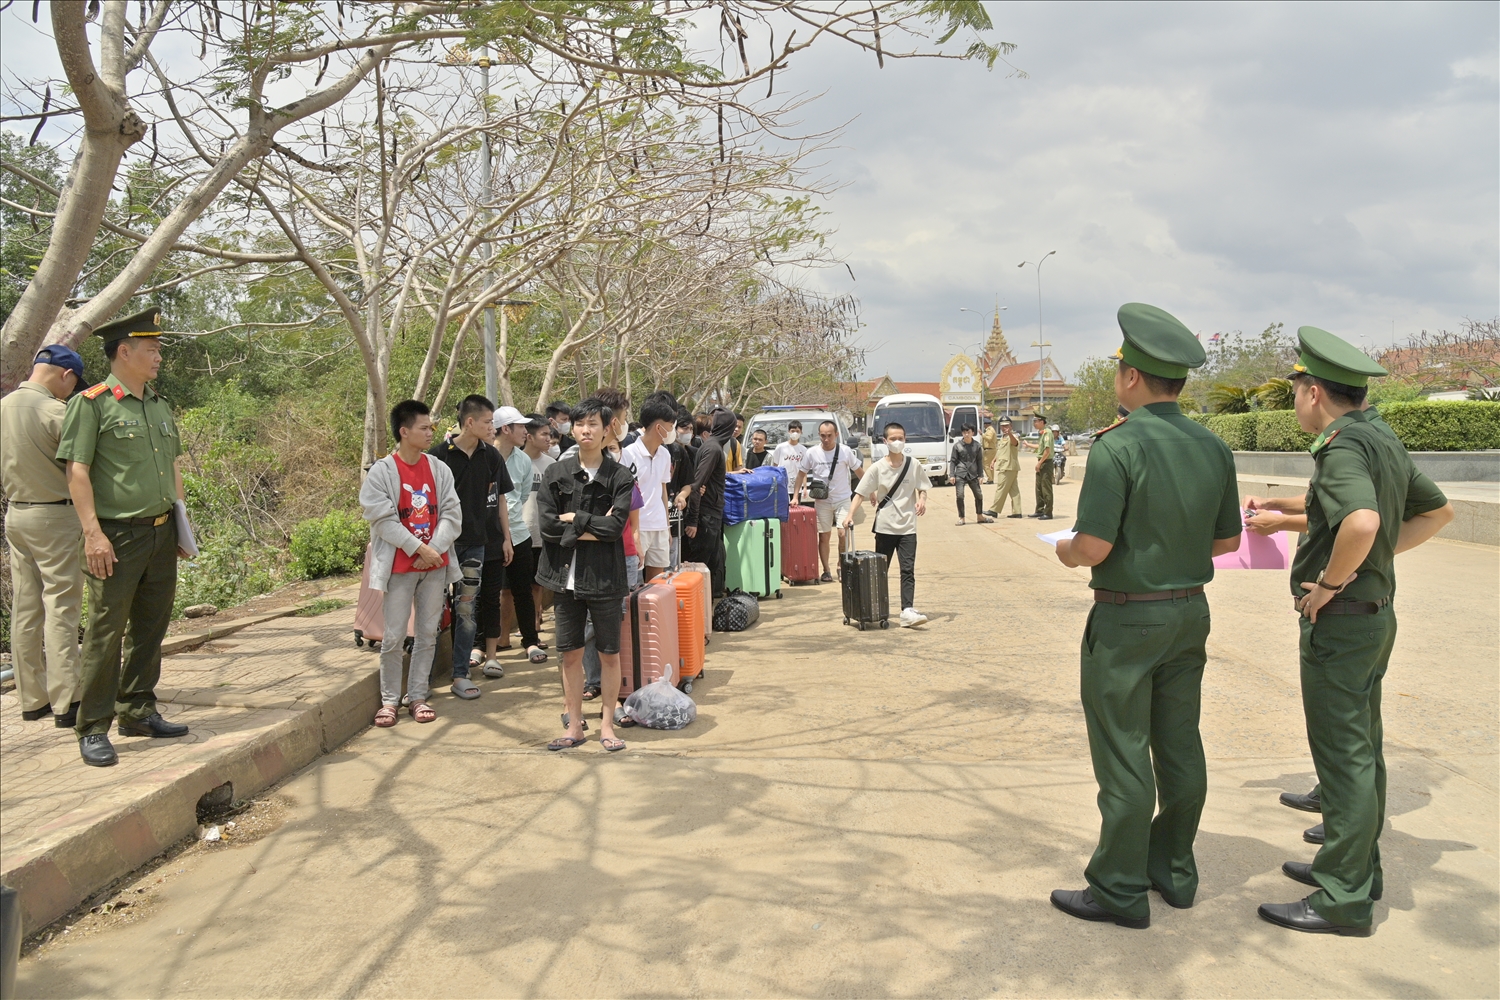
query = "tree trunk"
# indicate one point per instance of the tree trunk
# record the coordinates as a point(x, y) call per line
point(110, 128)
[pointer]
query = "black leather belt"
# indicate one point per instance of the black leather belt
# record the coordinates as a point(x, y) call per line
point(40, 503)
point(1121, 597)
point(1337, 607)
point(139, 522)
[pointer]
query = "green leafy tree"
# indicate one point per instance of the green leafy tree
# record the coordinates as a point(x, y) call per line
point(1093, 403)
point(1275, 394)
point(1229, 399)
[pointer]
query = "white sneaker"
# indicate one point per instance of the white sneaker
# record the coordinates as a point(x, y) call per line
point(911, 617)
point(492, 668)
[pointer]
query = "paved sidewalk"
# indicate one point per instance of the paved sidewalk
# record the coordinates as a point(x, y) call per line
point(262, 702)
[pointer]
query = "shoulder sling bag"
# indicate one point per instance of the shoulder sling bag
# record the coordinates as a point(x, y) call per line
point(894, 487)
point(818, 488)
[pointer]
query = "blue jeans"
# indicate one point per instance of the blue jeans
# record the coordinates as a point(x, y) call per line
point(464, 622)
point(592, 669)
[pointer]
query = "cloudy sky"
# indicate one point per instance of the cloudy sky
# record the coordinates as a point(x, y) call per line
point(1326, 164)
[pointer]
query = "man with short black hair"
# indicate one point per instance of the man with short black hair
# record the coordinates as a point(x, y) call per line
point(828, 467)
point(898, 487)
point(415, 517)
point(651, 463)
point(703, 521)
point(789, 455)
point(559, 416)
point(481, 481)
point(758, 455)
point(583, 507)
point(967, 463)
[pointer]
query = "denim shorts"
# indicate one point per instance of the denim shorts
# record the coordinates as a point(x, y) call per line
point(572, 613)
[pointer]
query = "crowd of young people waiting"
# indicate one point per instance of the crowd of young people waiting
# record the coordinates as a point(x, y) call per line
point(571, 508)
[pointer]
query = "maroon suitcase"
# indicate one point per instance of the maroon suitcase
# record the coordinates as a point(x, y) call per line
point(799, 546)
point(648, 637)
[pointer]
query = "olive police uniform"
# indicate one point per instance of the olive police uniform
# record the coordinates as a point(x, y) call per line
point(1161, 488)
point(130, 445)
point(42, 532)
point(990, 442)
point(1007, 468)
point(1044, 475)
point(1358, 465)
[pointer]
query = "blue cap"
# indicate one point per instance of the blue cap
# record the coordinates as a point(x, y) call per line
point(62, 357)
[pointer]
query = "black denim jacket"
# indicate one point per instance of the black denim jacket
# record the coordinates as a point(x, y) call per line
point(601, 508)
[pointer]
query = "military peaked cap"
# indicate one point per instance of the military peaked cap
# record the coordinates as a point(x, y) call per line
point(1156, 342)
point(1323, 355)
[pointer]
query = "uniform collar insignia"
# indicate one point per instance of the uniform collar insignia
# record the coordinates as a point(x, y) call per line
point(1105, 430)
point(94, 392)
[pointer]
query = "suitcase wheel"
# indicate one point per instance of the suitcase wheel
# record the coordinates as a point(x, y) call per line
point(374, 644)
point(885, 623)
point(407, 644)
point(846, 619)
point(861, 626)
point(359, 638)
point(687, 687)
point(779, 595)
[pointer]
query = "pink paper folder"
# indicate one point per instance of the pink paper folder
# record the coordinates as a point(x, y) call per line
point(1257, 552)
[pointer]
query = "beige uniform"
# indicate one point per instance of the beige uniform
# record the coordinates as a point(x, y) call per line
point(45, 539)
point(1006, 470)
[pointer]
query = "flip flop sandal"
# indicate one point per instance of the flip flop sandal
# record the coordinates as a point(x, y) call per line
point(465, 688)
point(612, 745)
point(536, 654)
point(423, 712)
point(826, 578)
point(385, 718)
point(567, 743)
point(590, 693)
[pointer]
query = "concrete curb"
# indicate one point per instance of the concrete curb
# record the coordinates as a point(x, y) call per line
point(77, 854)
point(192, 640)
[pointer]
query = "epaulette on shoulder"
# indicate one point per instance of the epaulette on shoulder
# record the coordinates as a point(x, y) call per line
point(95, 391)
point(1105, 430)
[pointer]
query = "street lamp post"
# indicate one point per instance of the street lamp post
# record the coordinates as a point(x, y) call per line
point(1040, 341)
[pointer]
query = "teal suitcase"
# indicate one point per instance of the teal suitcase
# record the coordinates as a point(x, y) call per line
point(752, 557)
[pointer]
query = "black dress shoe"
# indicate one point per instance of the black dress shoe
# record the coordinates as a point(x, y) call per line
point(1301, 871)
point(1080, 903)
point(153, 725)
point(1015, 515)
point(1313, 834)
point(68, 719)
point(1309, 802)
point(1044, 517)
point(96, 751)
point(1301, 917)
point(36, 713)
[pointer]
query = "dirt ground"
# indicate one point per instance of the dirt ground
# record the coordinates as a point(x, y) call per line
point(852, 814)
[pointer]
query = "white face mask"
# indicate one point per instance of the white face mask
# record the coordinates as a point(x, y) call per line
point(685, 438)
point(564, 426)
point(896, 446)
point(794, 437)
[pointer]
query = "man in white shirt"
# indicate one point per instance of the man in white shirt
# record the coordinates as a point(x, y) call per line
point(830, 464)
point(898, 487)
point(789, 455)
point(652, 465)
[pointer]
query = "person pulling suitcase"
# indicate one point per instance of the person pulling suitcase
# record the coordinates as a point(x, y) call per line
point(898, 487)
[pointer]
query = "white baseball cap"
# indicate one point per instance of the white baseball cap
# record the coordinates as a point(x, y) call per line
point(507, 415)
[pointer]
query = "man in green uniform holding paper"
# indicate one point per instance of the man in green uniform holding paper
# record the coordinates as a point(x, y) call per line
point(121, 446)
point(1366, 502)
point(1159, 502)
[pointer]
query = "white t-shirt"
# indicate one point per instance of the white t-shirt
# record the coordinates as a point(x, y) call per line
point(573, 565)
point(528, 510)
point(789, 456)
point(652, 473)
point(833, 467)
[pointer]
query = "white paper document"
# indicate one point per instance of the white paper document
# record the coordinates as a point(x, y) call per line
point(185, 539)
point(1056, 536)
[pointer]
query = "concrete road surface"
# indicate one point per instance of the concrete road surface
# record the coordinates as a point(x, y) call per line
point(852, 814)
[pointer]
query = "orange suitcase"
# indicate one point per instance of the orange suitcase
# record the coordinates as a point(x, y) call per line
point(692, 612)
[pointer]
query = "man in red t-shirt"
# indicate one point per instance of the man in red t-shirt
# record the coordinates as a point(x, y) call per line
point(414, 516)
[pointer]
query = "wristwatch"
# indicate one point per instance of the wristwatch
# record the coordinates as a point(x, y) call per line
point(1329, 586)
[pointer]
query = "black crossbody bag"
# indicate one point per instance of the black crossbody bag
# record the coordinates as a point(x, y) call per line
point(818, 488)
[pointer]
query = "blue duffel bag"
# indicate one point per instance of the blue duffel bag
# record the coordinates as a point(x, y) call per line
point(755, 494)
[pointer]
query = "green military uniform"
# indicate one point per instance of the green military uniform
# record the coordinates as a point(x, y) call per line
point(1358, 465)
point(1044, 474)
point(130, 445)
point(1161, 488)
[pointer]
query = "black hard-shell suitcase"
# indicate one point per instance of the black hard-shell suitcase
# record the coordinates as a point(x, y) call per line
point(867, 600)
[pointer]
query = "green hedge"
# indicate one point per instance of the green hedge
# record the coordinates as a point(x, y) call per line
point(1237, 429)
point(1277, 430)
point(1442, 425)
point(325, 546)
point(1445, 425)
